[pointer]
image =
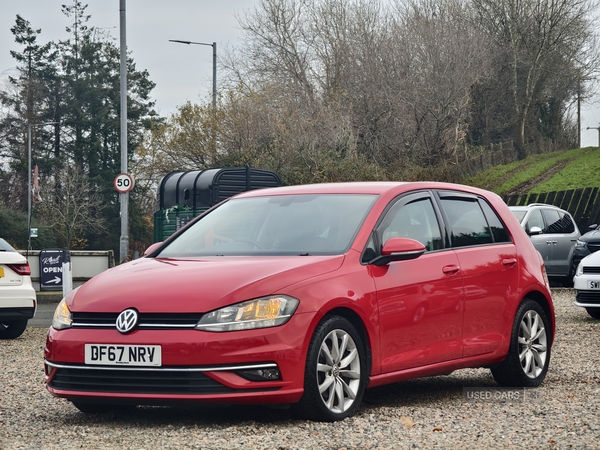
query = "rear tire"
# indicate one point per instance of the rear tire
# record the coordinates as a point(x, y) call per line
point(529, 353)
point(594, 312)
point(13, 329)
point(336, 372)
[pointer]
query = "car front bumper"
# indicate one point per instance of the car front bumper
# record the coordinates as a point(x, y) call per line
point(196, 366)
point(586, 297)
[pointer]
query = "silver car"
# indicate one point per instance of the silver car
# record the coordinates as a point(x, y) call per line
point(554, 234)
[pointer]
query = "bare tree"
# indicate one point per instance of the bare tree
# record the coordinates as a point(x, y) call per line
point(278, 47)
point(541, 38)
point(71, 206)
point(442, 55)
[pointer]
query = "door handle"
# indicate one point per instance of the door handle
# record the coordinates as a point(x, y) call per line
point(509, 262)
point(451, 269)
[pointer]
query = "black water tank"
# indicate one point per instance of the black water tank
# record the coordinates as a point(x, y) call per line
point(201, 189)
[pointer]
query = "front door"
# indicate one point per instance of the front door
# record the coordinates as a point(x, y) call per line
point(420, 301)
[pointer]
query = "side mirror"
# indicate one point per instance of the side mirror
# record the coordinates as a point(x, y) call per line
point(399, 249)
point(593, 227)
point(535, 230)
point(152, 248)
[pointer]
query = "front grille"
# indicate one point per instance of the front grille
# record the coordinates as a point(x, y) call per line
point(588, 297)
point(591, 269)
point(146, 320)
point(593, 247)
point(136, 381)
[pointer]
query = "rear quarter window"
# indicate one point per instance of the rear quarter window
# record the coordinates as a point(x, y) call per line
point(499, 231)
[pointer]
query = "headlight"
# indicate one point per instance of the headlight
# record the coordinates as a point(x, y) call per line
point(259, 313)
point(62, 316)
point(579, 270)
point(580, 244)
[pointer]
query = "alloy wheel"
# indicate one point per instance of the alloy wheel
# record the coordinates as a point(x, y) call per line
point(533, 344)
point(338, 371)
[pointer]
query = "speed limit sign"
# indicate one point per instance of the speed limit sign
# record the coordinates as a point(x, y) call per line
point(123, 183)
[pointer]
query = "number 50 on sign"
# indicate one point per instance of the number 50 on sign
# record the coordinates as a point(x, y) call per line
point(123, 183)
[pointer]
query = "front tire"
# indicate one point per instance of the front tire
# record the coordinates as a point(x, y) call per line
point(594, 312)
point(13, 329)
point(529, 353)
point(335, 374)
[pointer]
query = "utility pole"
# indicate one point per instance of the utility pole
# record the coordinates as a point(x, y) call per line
point(579, 115)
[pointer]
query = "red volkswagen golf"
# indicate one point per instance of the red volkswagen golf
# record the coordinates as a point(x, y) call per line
point(308, 295)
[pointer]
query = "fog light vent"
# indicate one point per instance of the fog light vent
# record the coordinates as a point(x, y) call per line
point(271, 374)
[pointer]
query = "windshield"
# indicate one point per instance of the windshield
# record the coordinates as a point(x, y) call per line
point(519, 215)
point(275, 225)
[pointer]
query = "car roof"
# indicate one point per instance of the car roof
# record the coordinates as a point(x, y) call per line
point(361, 187)
point(535, 205)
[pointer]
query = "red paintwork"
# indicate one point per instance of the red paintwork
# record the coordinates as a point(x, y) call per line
point(440, 312)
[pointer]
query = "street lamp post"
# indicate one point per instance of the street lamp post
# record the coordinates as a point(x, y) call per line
point(214, 47)
point(123, 197)
point(29, 126)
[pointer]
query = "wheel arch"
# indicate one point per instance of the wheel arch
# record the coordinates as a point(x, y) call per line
point(542, 300)
point(357, 322)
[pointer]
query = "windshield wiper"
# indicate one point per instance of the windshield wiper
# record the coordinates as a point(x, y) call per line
point(304, 254)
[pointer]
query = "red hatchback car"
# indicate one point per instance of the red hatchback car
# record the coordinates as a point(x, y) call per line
point(307, 295)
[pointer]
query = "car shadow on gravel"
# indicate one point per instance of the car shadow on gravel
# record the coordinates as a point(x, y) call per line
point(411, 393)
point(176, 416)
point(437, 389)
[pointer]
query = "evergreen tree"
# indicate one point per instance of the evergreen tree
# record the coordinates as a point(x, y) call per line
point(76, 84)
point(28, 102)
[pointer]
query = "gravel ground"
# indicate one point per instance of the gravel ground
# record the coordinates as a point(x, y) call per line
point(426, 413)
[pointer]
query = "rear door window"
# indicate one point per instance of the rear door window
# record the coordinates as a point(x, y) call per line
point(471, 220)
point(557, 222)
point(553, 224)
point(467, 222)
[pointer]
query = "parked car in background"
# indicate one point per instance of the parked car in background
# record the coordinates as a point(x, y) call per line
point(306, 296)
point(17, 295)
point(554, 234)
point(586, 244)
point(587, 284)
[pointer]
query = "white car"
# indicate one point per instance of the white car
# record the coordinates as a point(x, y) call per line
point(587, 284)
point(17, 295)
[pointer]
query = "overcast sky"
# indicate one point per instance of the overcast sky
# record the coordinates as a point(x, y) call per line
point(181, 72)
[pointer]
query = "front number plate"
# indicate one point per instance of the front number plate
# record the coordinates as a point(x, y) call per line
point(123, 355)
point(593, 284)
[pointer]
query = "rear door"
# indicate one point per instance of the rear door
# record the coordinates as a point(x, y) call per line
point(488, 263)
